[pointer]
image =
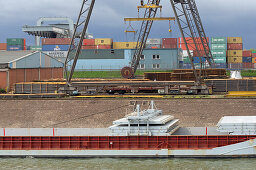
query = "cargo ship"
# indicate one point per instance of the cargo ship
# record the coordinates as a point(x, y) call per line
point(143, 133)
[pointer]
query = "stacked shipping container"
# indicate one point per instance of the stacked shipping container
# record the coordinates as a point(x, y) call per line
point(3, 46)
point(16, 44)
point(218, 49)
point(235, 50)
point(98, 43)
point(154, 43)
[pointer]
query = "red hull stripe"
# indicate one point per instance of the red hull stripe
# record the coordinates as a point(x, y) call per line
point(119, 142)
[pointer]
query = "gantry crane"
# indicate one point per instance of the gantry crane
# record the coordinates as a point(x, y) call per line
point(190, 25)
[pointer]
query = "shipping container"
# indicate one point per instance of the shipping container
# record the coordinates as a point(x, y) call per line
point(199, 54)
point(16, 41)
point(104, 41)
point(169, 43)
point(220, 65)
point(15, 47)
point(247, 59)
point(197, 59)
point(86, 47)
point(235, 47)
point(156, 41)
point(154, 46)
point(247, 53)
point(235, 53)
point(57, 54)
point(56, 41)
point(219, 40)
point(234, 40)
point(220, 60)
point(235, 59)
point(253, 59)
point(219, 53)
point(124, 45)
point(88, 42)
point(35, 48)
point(103, 46)
point(219, 46)
point(253, 51)
point(55, 47)
point(3, 46)
point(253, 54)
point(191, 44)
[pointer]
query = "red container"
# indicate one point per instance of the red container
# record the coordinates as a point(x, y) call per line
point(3, 46)
point(247, 53)
point(84, 47)
point(191, 44)
point(169, 43)
point(89, 42)
point(201, 54)
point(103, 47)
point(253, 54)
point(235, 46)
point(56, 41)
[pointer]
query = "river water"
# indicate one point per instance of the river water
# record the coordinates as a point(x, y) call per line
point(132, 164)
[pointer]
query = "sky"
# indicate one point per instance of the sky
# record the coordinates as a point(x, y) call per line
point(229, 18)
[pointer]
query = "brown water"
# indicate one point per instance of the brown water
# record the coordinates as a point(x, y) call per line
point(116, 164)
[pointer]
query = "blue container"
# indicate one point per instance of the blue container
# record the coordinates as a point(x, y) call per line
point(197, 59)
point(247, 59)
point(220, 65)
point(55, 47)
point(15, 47)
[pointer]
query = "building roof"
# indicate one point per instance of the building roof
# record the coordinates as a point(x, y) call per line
point(9, 56)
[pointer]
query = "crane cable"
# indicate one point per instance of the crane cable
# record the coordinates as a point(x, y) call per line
point(82, 117)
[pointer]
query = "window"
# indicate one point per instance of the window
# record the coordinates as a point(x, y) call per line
point(156, 57)
point(142, 66)
point(156, 66)
point(142, 57)
point(102, 41)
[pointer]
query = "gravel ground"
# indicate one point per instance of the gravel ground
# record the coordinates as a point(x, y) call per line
point(99, 113)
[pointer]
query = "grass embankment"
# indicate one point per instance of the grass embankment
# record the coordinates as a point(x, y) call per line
point(107, 74)
point(246, 73)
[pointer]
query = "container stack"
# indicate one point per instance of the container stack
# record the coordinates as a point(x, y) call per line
point(16, 44)
point(124, 45)
point(3, 46)
point(56, 47)
point(98, 43)
point(218, 49)
point(170, 43)
point(235, 50)
point(254, 58)
point(154, 43)
point(247, 59)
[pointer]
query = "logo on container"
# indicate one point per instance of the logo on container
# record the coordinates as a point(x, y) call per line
point(57, 48)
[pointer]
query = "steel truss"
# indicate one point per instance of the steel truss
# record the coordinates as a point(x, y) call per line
point(190, 25)
point(78, 37)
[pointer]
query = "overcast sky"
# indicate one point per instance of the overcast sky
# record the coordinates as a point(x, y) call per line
point(220, 18)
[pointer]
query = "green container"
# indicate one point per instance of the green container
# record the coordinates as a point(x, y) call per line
point(219, 40)
point(15, 41)
point(220, 60)
point(186, 60)
point(253, 51)
point(219, 53)
point(219, 47)
point(36, 48)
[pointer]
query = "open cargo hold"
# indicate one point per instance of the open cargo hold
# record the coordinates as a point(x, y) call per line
point(235, 46)
point(219, 46)
point(169, 43)
point(235, 59)
point(124, 45)
point(3, 46)
point(104, 41)
point(234, 40)
point(247, 53)
point(56, 41)
point(16, 41)
point(235, 53)
point(219, 40)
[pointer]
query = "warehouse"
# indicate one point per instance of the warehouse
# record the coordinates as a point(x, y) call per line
point(26, 66)
point(116, 59)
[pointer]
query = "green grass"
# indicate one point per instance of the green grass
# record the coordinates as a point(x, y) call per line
point(246, 73)
point(108, 74)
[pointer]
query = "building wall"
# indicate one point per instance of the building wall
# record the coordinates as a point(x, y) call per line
point(3, 79)
point(36, 60)
point(30, 75)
